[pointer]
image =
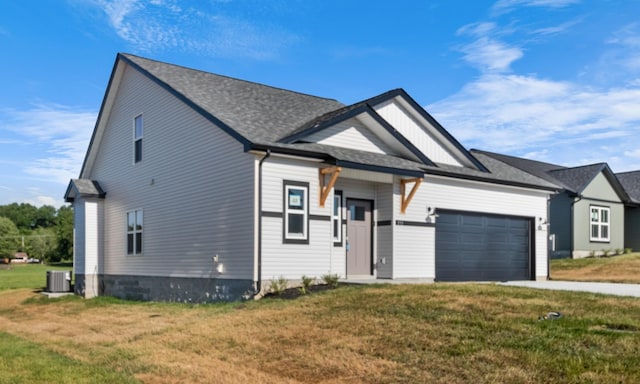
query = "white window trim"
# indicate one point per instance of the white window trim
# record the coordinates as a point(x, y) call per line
point(137, 138)
point(302, 238)
point(599, 223)
point(134, 232)
point(337, 196)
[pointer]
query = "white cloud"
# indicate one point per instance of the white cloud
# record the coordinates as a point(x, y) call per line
point(634, 153)
point(525, 114)
point(162, 25)
point(506, 5)
point(63, 131)
point(486, 52)
point(557, 29)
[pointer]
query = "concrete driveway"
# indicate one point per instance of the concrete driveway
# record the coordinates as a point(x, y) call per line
point(603, 288)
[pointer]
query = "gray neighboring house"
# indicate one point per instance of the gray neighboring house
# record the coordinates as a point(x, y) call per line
point(198, 187)
point(588, 214)
point(631, 183)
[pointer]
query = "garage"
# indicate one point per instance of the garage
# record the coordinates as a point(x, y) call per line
point(483, 247)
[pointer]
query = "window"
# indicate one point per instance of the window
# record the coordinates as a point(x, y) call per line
point(296, 212)
point(137, 139)
point(336, 218)
point(134, 232)
point(600, 223)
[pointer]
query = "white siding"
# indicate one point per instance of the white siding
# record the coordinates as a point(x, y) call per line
point(444, 193)
point(411, 245)
point(294, 260)
point(92, 247)
point(385, 233)
point(350, 134)
point(79, 234)
point(195, 186)
point(401, 120)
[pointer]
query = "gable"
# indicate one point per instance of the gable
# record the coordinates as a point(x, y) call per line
point(351, 133)
point(424, 135)
point(600, 188)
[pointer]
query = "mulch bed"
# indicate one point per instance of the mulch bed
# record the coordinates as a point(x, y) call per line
point(294, 293)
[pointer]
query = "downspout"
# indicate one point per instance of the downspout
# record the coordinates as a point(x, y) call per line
point(258, 284)
point(548, 238)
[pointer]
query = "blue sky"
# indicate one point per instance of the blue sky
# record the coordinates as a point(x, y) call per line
point(552, 80)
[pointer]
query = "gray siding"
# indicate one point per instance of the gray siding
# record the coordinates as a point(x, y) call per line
point(583, 246)
point(560, 207)
point(632, 228)
point(598, 193)
point(195, 186)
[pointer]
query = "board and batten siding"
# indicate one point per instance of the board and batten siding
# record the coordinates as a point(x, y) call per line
point(78, 236)
point(462, 195)
point(384, 231)
point(353, 134)
point(194, 184)
point(401, 120)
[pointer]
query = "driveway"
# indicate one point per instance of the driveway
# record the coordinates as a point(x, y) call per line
point(603, 288)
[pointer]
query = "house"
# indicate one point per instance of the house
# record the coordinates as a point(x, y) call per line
point(199, 187)
point(631, 183)
point(587, 216)
point(20, 257)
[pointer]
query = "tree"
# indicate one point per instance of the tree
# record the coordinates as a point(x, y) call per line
point(42, 244)
point(23, 215)
point(45, 217)
point(64, 233)
point(9, 238)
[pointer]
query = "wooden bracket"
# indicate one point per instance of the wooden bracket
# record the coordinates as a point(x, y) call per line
point(405, 200)
point(325, 189)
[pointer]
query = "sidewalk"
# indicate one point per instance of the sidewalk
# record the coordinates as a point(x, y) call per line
point(632, 290)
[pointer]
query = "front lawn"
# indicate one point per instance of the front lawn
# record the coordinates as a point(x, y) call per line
point(434, 333)
point(613, 269)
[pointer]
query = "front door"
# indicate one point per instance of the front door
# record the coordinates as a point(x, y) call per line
point(358, 237)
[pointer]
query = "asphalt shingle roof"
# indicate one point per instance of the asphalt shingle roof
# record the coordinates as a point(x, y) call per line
point(631, 183)
point(573, 179)
point(261, 115)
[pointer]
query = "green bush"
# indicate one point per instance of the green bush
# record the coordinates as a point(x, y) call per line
point(279, 285)
point(307, 282)
point(331, 280)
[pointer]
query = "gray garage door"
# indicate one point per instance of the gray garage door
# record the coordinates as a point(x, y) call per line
point(482, 247)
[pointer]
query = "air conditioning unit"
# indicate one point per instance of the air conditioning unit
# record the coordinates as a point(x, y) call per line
point(58, 281)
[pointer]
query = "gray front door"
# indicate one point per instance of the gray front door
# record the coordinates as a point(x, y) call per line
point(358, 237)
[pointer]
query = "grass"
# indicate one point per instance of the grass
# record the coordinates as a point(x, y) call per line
point(437, 333)
point(28, 362)
point(614, 269)
point(34, 276)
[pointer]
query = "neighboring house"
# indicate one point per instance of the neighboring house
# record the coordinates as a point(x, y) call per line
point(631, 183)
point(20, 257)
point(588, 215)
point(199, 187)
